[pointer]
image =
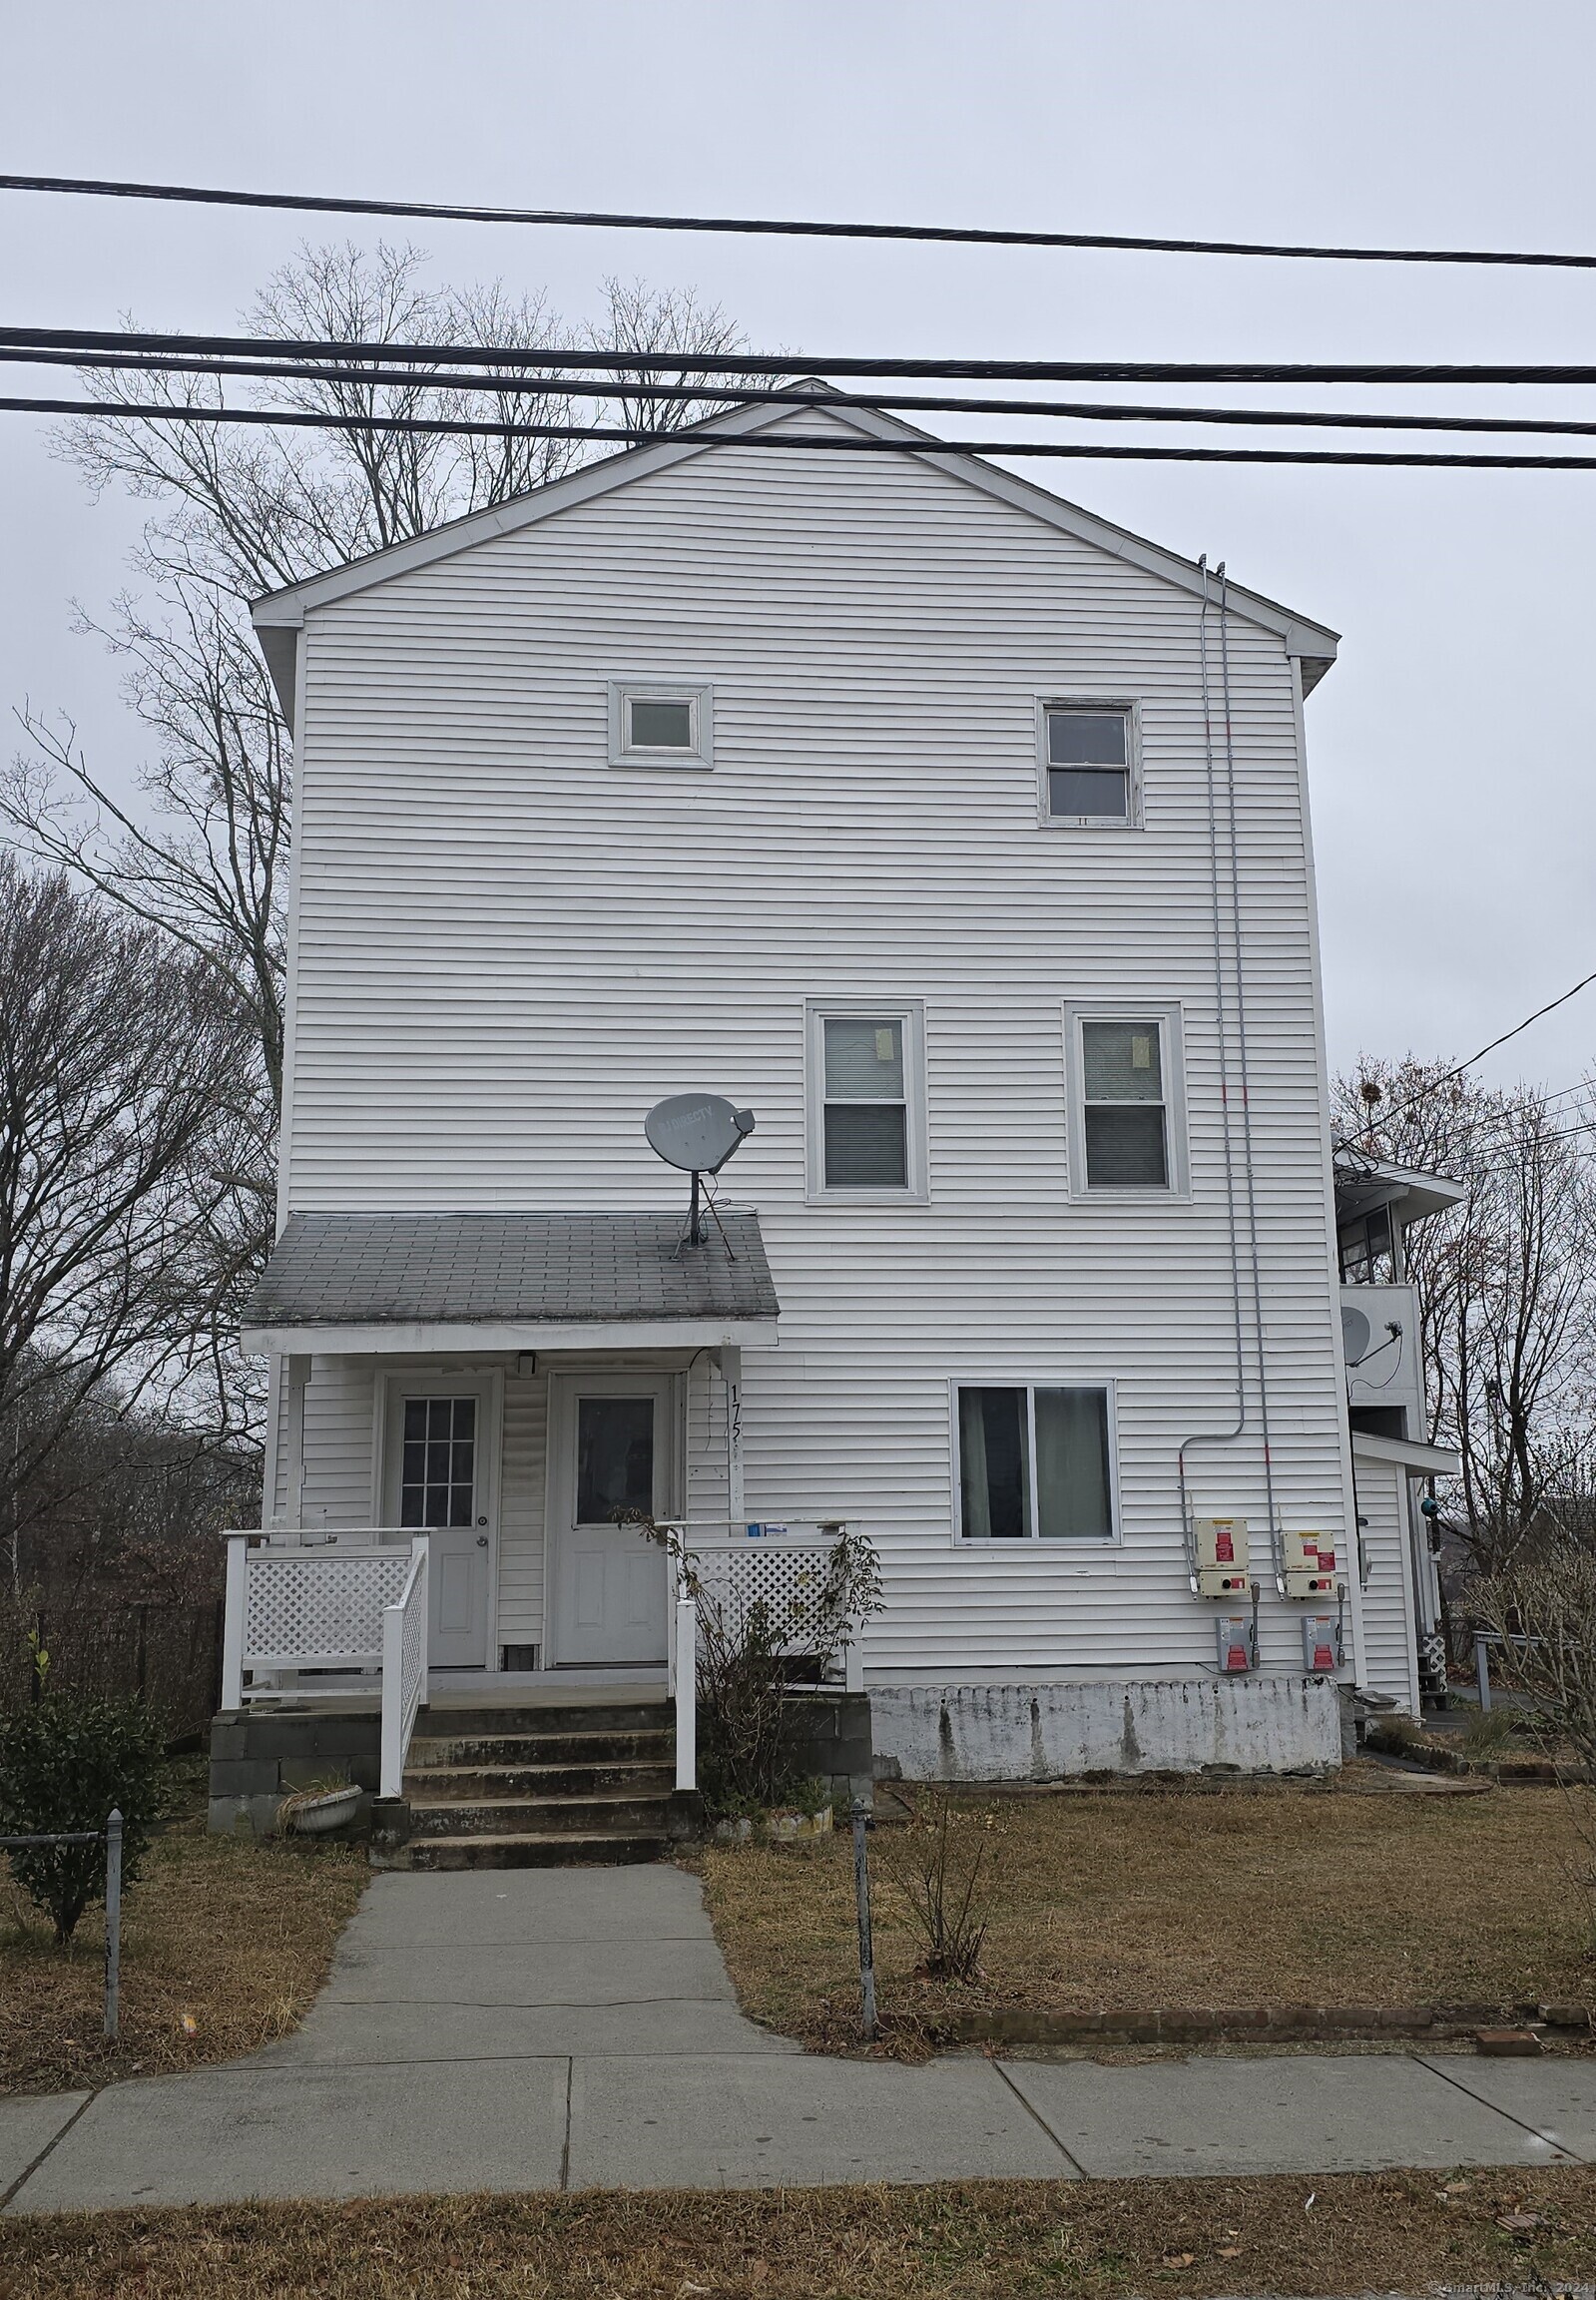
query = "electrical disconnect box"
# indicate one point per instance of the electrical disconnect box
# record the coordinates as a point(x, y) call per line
point(1310, 1565)
point(1321, 1642)
point(1236, 1650)
point(1221, 1556)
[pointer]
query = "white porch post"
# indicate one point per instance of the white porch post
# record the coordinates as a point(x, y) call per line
point(233, 1621)
point(686, 1657)
point(732, 1374)
point(392, 1700)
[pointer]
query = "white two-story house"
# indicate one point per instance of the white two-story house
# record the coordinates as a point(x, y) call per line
point(961, 837)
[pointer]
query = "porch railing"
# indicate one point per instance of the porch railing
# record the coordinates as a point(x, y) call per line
point(735, 1571)
point(404, 1668)
point(349, 1606)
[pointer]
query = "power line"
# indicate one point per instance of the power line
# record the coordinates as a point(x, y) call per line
point(634, 436)
point(789, 225)
point(277, 370)
point(641, 361)
point(1446, 1076)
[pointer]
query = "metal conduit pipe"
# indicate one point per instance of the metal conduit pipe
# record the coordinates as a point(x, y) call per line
point(1276, 1545)
point(1216, 1437)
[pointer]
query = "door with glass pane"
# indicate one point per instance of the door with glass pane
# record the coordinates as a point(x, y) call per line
point(612, 1451)
point(439, 1482)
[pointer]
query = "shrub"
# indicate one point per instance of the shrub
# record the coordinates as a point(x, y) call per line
point(748, 1656)
point(64, 1764)
point(1542, 1608)
point(937, 1866)
point(1489, 1733)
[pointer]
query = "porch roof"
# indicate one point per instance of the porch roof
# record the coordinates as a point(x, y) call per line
point(353, 1283)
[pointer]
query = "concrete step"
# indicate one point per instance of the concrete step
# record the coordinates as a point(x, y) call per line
point(542, 1717)
point(528, 1850)
point(650, 1746)
point(538, 1816)
point(474, 1783)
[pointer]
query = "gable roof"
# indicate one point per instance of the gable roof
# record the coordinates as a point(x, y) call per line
point(280, 615)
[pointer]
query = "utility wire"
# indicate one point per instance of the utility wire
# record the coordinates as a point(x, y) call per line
point(793, 395)
point(780, 442)
point(1446, 1076)
point(745, 364)
point(785, 227)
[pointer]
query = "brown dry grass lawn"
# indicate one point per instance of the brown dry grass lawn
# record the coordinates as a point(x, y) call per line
point(1098, 2240)
point(235, 1937)
point(1157, 1899)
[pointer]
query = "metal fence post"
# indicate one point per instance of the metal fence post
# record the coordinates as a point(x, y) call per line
point(1482, 1670)
point(113, 1921)
point(861, 1897)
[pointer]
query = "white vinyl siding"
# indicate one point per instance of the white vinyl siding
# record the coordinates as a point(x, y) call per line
point(500, 971)
point(1390, 1648)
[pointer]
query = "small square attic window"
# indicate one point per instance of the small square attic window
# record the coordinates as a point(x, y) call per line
point(658, 723)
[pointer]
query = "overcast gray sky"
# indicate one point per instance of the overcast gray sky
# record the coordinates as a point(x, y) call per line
point(1450, 749)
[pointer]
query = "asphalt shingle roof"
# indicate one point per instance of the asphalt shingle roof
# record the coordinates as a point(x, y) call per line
point(550, 1269)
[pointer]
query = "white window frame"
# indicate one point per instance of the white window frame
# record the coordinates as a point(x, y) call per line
point(697, 694)
point(1073, 1546)
point(909, 1014)
point(1131, 705)
point(1167, 1017)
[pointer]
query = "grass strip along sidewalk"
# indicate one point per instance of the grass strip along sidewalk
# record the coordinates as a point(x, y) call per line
point(224, 1944)
point(1161, 1897)
point(1383, 2232)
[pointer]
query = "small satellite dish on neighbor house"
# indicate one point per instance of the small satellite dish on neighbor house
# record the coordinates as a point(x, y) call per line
point(1357, 1334)
point(696, 1132)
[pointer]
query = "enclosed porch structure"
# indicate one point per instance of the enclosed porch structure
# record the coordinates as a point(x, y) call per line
point(465, 1410)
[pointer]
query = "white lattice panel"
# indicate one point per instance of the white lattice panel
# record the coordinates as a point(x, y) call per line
point(412, 1672)
point(789, 1579)
point(305, 1607)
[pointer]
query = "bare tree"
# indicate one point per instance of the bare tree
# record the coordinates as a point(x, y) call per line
point(119, 1056)
point(1506, 1284)
point(203, 853)
point(200, 854)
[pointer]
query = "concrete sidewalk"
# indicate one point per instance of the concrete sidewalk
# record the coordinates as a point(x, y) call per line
point(575, 2029)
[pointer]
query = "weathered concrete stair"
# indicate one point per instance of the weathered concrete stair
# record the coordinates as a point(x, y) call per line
point(545, 1786)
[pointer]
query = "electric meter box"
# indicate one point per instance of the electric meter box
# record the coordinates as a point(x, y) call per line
point(1222, 1556)
point(1235, 1631)
point(1322, 1643)
point(1310, 1565)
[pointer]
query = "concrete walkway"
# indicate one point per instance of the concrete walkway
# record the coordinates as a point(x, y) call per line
point(575, 2029)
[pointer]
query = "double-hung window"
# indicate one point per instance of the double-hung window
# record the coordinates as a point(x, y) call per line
point(1035, 1463)
point(866, 1101)
point(1089, 764)
point(1127, 1119)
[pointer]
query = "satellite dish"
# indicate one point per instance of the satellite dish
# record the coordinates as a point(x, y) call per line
point(696, 1132)
point(1357, 1334)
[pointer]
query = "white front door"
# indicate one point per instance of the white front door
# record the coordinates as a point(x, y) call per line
point(613, 1447)
point(438, 1481)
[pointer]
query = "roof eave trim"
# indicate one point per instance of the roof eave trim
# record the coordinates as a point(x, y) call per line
point(1406, 1454)
point(471, 1335)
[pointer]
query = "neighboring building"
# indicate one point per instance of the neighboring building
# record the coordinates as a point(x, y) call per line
point(964, 838)
point(1400, 1574)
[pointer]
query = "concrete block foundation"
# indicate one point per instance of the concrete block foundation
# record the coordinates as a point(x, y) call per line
point(256, 1757)
point(1050, 1732)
